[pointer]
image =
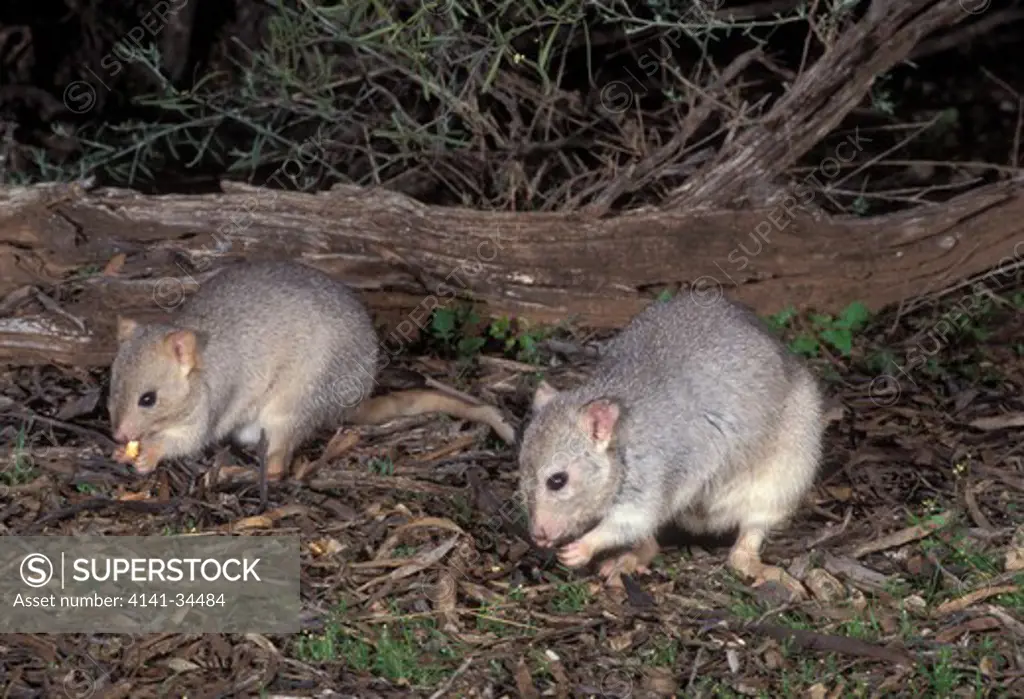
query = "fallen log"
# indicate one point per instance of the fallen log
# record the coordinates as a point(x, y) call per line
point(407, 258)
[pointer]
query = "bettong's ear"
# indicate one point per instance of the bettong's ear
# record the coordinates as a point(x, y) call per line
point(186, 348)
point(543, 395)
point(600, 418)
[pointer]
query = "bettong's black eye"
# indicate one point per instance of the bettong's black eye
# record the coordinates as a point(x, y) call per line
point(558, 481)
point(147, 399)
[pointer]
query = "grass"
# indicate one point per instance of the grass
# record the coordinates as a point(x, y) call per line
point(410, 652)
point(572, 598)
point(19, 469)
point(660, 651)
point(382, 466)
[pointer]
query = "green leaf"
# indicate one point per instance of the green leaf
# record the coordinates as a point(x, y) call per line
point(782, 318)
point(443, 323)
point(528, 344)
point(470, 345)
point(821, 320)
point(805, 344)
point(840, 338)
point(499, 327)
point(854, 317)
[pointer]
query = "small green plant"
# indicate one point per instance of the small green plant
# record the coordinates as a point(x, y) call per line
point(516, 336)
point(867, 629)
point(407, 651)
point(489, 619)
point(382, 466)
point(332, 645)
point(18, 469)
point(780, 321)
point(572, 597)
point(661, 651)
point(448, 325)
point(397, 654)
point(836, 332)
point(941, 674)
point(460, 332)
point(1013, 600)
point(746, 610)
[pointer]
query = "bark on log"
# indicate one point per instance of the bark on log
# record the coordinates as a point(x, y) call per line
point(407, 258)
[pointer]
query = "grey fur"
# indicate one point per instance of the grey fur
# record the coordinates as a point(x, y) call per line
point(710, 401)
point(283, 345)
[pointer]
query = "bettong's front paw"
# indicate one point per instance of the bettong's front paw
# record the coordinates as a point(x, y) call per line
point(124, 455)
point(148, 459)
point(577, 554)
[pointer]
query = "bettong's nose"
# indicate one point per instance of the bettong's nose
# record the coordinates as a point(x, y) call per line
point(541, 536)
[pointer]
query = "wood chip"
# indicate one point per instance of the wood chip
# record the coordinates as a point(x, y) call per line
point(418, 563)
point(827, 643)
point(858, 574)
point(396, 536)
point(904, 536)
point(976, 625)
point(114, 265)
point(445, 595)
point(1012, 625)
point(961, 603)
point(328, 546)
point(818, 691)
point(181, 665)
point(524, 682)
point(660, 681)
point(255, 522)
point(1015, 554)
point(263, 642)
point(823, 586)
point(341, 443)
point(998, 422)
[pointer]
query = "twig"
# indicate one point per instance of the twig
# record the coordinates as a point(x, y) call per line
point(93, 504)
point(961, 603)
point(828, 643)
point(52, 305)
point(879, 157)
point(1015, 155)
point(693, 671)
point(451, 680)
point(1011, 624)
point(833, 532)
point(28, 414)
point(972, 505)
point(966, 33)
point(904, 536)
point(819, 99)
